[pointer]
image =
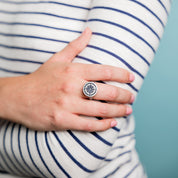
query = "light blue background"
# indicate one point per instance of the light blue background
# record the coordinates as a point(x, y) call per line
point(156, 108)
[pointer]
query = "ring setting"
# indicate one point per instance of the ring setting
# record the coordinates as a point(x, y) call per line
point(90, 89)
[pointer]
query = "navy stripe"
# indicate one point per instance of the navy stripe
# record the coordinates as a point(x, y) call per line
point(123, 146)
point(29, 49)
point(130, 15)
point(5, 162)
point(125, 28)
point(54, 158)
point(41, 13)
point(117, 168)
point(66, 42)
point(20, 150)
point(12, 149)
point(87, 59)
point(124, 44)
point(116, 129)
point(163, 6)
point(132, 170)
point(45, 2)
point(85, 147)
point(19, 60)
point(1, 155)
point(117, 57)
point(13, 71)
point(133, 87)
point(144, 6)
point(118, 147)
point(70, 155)
point(118, 156)
point(94, 47)
point(29, 153)
point(29, 169)
point(100, 49)
point(30, 36)
point(4, 146)
point(38, 25)
point(39, 153)
point(1, 168)
point(91, 46)
point(101, 139)
point(3, 172)
point(126, 135)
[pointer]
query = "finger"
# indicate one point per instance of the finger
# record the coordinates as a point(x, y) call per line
point(113, 94)
point(105, 92)
point(75, 122)
point(99, 109)
point(74, 47)
point(96, 72)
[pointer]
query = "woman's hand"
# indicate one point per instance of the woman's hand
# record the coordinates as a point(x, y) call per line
point(51, 98)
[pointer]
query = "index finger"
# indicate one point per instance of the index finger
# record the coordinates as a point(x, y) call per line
point(74, 47)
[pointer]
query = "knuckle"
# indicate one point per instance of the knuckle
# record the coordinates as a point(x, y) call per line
point(107, 73)
point(125, 75)
point(89, 127)
point(103, 110)
point(69, 69)
point(122, 110)
point(113, 94)
point(105, 125)
point(62, 102)
point(126, 96)
point(57, 120)
point(75, 46)
point(67, 87)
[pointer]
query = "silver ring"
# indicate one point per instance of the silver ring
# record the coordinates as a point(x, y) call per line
point(90, 89)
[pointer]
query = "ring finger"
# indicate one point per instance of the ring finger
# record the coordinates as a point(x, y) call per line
point(113, 94)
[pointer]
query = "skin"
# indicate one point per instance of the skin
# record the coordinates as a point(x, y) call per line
point(51, 98)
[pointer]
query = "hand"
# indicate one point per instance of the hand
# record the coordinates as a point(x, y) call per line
point(51, 98)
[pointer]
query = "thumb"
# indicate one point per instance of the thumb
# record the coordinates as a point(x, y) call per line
point(74, 47)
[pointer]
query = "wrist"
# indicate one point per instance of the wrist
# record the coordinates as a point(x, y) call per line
point(9, 97)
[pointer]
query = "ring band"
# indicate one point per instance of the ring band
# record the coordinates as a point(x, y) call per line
point(90, 89)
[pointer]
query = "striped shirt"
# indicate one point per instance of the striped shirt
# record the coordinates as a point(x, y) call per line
point(126, 33)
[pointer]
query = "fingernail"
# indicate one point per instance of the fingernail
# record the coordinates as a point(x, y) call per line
point(131, 78)
point(113, 123)
point(132, 99)
point(128, 110)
